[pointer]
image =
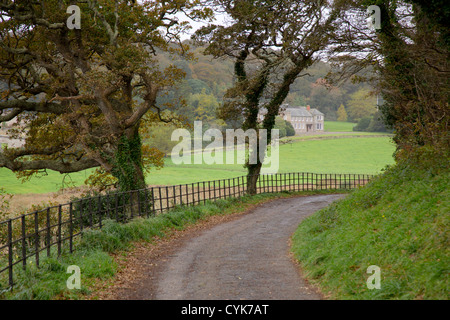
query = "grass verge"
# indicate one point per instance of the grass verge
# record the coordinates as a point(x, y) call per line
point(399, 222)
point(93, 253)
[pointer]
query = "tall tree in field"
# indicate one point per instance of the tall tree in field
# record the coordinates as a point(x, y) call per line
point(341, 113)
point(361, 104)
point(82, 91)
point(272, 43)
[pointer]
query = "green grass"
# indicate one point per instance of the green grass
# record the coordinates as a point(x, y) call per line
point(338, 126)
point(398, 222)
point(346, 155)
point(52, 181)
point(363, 155)
point(93, 252)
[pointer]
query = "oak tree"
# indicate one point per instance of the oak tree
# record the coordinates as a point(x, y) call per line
point(81, 94)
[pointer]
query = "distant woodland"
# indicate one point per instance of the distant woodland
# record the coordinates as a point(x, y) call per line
point(207, 80)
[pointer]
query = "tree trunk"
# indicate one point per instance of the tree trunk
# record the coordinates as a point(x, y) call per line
point(253, 171)
point(128, 167)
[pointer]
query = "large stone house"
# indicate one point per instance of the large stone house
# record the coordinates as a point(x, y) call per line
point(303, 119)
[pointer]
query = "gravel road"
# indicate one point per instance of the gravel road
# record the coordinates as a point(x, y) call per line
point(245, 258)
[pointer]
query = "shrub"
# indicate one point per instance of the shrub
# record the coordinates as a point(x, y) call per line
point(363, 124)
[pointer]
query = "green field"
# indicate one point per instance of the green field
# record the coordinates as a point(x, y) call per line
point(364, 155)
point(50, 182)
point(338, 126)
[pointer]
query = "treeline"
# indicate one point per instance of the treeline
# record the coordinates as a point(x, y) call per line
point(201, 92)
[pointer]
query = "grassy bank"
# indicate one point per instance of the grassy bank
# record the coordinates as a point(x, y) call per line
point(399, 222)
point(92, 253)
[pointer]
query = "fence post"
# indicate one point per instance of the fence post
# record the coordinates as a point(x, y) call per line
point(187, 194)
point(10, 253)
point(81, 215)
point(108, 207)
point(48, 232)
point(70, 228)
point(59, 229)
point(24, 243)
point(99, 203)
point(209, 190)
point(160, 199)
point(153, 202)
point(146, 201)
point(116, 200)
point(167, 198)
point(309, 180)
point(91, 221)
point(130, 197)
point(36, 230)
point(271, 183)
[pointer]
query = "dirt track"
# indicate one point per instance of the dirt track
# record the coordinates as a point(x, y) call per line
point(245, 258)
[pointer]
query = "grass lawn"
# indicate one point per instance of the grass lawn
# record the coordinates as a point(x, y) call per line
point(51, 182)
point(338, 126)
point(345, 155)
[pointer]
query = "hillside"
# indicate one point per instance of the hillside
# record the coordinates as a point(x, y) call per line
point(399, 222)
point(207, 80)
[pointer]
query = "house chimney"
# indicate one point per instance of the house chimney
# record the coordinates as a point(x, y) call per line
point(308, 107)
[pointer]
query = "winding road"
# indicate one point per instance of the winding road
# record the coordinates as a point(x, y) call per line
point(245, 258)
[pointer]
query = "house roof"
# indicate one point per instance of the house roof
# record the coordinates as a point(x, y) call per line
point(315, 112)
point(298, 112)
point(295, 111)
